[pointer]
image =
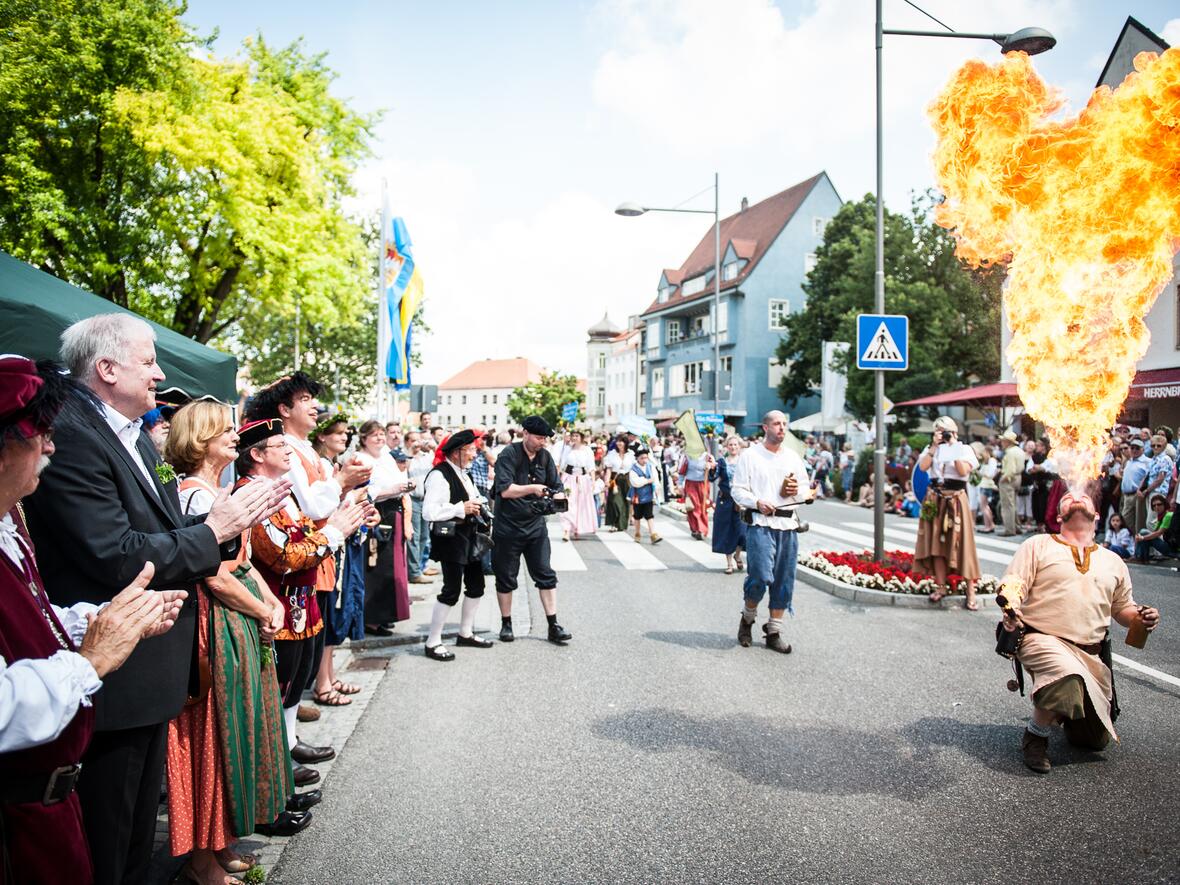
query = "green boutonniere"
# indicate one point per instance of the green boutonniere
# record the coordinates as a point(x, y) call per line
point(165, 473)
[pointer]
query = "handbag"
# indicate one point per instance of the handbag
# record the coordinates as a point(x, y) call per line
point(447, 528)
point(480, 544)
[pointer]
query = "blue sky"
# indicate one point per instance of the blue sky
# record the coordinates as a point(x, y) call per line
point(512, 129)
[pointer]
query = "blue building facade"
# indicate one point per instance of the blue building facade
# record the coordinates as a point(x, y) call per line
point(766, 252)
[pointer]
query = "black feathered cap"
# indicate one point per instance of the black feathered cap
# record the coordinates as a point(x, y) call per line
point(265, 403)
point(457, 440)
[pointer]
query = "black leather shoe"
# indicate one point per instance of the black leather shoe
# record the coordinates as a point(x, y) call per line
point(439, 653)
point(473, 641)
point(774, 641)
point(304, 801)
point(506, 633)
point(286, 824)
point(377, 630)
point(309, 755)
point(744, 637)
point(559, 634)
point(304, 776)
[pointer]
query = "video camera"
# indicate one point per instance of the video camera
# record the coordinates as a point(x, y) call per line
point(547, 505)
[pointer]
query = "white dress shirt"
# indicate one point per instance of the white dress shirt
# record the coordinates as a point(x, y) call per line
point(318, 498)
point(759, 477)
point(39, 696)
point(942, 466)
point(436, 505)
point(387, 480)
point(581, 458)
point(128, 430)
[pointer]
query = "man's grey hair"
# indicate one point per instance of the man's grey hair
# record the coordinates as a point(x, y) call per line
point(104, 336)
point(504, 438)
point(769, 416)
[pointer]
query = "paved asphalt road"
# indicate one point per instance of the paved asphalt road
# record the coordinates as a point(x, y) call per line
point(654, 749)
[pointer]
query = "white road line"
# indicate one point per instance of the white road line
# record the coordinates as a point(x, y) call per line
point(629, 554)
point(1146, 670)
point(699, 551)
point(912, 532)
point(867, 541)
point(563, 557)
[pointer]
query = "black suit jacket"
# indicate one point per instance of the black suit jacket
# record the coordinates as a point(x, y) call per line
point(95, 522)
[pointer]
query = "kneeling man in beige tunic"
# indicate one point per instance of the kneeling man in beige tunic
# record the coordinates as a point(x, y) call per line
point(1071, 589)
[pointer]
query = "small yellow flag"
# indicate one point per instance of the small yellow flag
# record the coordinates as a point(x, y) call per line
point(694, 445)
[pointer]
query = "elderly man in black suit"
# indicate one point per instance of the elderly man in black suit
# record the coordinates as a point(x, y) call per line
point(105, 506)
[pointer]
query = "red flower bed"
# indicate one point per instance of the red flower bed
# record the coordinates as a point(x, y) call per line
point(897, 565)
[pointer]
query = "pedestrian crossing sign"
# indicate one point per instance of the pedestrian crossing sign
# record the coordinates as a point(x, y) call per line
point(882, 342)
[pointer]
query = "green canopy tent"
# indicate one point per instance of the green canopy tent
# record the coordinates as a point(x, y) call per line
point(35, 307)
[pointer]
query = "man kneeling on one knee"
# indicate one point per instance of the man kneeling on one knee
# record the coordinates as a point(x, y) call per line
point(1071, 589)
point(452, 506)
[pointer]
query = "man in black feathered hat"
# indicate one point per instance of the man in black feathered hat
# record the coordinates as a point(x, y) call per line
point(453, 507)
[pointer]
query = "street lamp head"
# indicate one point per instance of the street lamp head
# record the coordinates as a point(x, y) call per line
point(629, 210)
point(1031, 40)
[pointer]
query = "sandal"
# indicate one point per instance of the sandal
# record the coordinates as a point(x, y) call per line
point(187, 872)
point(936, 597)
point(971, 605)
point(330, 698)
point(232, 862)
point(344, 688)
point(729, 569)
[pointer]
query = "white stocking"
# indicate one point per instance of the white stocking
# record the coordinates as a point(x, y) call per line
point(437, 620)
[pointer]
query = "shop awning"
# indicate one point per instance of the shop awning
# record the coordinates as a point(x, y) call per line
point(1152, 384)
point(1001, 394)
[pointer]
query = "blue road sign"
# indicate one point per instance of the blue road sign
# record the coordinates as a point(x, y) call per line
point(569, 411)
point(882, 342)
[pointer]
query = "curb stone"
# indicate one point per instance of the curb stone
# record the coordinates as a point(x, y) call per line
point(868, 596)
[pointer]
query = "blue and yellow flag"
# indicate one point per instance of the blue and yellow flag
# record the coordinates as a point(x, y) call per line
point(401, 295)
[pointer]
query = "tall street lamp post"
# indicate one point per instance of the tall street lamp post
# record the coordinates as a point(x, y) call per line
point(1030, 40)
point(630, 210)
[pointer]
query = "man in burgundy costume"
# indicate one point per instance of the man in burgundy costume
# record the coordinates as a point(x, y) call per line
point(52, 660)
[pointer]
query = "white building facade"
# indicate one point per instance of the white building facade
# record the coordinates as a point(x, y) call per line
point(478, 395)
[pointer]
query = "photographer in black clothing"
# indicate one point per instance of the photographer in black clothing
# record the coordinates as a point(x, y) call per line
point(527, 488)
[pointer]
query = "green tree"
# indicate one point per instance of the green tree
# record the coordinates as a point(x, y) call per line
point(74, 182)
point(954, 311)
point(253, 160)
point(544, 397)
point(203, 193)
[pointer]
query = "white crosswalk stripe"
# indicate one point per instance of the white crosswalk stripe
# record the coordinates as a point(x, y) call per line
point(629, 553)
point(864, 538)
point(562, 556)
point(911, 530)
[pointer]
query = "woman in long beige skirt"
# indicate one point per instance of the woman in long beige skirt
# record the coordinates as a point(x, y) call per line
point(946, 530)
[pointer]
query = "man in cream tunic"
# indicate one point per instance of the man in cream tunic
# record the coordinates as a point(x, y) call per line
point(770, 480)
point(1072, 588)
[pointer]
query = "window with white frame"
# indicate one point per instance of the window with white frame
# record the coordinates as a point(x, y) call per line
point(448, 399)
point(694, 286)
point(818, 225)
point(700, 325)
point(673, 330)
point(723, 317)
point(730, 271)
point(657, 386)
point(485, 399)
point(463, 402)
point(602, 361)
point(686, 379)
point(809, 262)
point(780, 309)
point(653, 336)
point(665, 294)
point(495, 398)
point(726, 364)
point(601, 397)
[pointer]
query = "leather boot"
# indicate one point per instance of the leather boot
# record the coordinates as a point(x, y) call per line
point(744, 638)
point(1036, 752)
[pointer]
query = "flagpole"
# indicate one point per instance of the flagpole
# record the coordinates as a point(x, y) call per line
point(382, 308)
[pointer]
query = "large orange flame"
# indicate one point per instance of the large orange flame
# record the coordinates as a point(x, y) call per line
point(1086, 214)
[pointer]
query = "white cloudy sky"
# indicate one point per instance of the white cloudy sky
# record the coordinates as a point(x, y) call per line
point(513, 129)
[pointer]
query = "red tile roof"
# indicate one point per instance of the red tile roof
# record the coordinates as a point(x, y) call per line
point(494, 373)
point(751, 231)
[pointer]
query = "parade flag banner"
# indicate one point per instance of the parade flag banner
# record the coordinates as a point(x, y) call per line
point(401, 296)
point(694, 444)
point(569, 411)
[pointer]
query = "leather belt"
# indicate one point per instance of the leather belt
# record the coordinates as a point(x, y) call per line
point(48, 789)
point(951, 485)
